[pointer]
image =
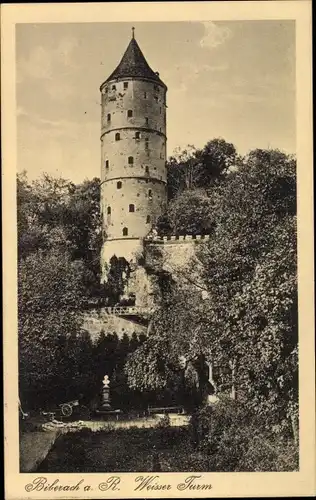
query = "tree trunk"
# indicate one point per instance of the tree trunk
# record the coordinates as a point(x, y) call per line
point(233, 366)
point(295, 427)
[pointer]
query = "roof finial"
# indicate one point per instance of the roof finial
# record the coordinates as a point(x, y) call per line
point(133, 32)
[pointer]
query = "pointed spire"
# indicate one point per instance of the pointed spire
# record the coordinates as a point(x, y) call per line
point(134, 64)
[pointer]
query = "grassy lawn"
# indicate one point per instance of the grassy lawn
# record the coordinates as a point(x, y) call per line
point(124, 450)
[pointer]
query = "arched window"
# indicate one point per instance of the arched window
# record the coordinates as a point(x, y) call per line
point(147, 169)
point(113, 87)
point(117, 136)
point(150, 194)
point(131, 208)
point(109, 210)
point(148, 219)
point(119, 185)
point(130, 160)
point(107, 164)
point(109, 117)
point(125, 231)
point(129, 113)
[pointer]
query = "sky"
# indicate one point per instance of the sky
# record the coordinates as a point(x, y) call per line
point(234, 80)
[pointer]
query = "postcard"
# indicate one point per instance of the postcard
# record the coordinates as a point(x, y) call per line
point(158, 250)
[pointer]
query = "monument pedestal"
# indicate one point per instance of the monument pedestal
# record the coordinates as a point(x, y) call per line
point(105, 409)
point(105, 401)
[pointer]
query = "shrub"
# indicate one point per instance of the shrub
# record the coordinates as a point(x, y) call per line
point(234, 440)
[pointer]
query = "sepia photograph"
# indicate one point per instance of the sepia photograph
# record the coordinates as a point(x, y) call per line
point(157, 251)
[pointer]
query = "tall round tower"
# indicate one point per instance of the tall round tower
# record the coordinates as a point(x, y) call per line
point(133, 155)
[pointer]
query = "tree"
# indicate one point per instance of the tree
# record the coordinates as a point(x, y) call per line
point(54, 213)
point(117, 278)
point(50, 299)
point(200, 168)
point(246, 321)
point(191, 213)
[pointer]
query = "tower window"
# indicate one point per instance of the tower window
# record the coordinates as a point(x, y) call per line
point(146, 143)
point(146, 119)
point(119, 185)
point(147, 169)
point(130, 160)
point(160, 110)
point(150, 194)
point(145, 95)
point(109, 117)
point(113, 87)
point(131, 208)
point(109, 210)
point(117, 136)
point(137, 135)
point(148, 219)
point(106, 163)
point(129, 113)
point(125, 85)
point(125, 231)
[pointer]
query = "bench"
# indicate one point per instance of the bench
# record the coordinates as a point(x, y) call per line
point(165, 409)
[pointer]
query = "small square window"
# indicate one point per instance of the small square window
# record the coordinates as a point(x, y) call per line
point(137, 135)
point(130, 160)
point(125, 85)
point(131, 208)
point(113, 87)
point(119, 185)
point(130, 113)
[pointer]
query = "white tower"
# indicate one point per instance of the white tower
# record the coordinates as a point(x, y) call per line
point(133, 155)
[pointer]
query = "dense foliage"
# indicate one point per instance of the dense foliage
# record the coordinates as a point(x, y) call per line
point(233, 307)
point(239, 311)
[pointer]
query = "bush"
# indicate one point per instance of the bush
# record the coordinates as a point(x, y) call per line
point(234, 440)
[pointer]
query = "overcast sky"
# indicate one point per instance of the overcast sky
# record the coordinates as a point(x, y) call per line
point(234, 80)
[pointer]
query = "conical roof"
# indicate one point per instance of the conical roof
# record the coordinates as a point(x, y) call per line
point(134, 64)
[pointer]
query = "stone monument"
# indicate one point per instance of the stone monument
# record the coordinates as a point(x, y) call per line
point(105, 402)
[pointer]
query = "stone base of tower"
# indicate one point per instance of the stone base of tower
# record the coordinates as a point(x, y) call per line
point(140, 284)
point(129, 249)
